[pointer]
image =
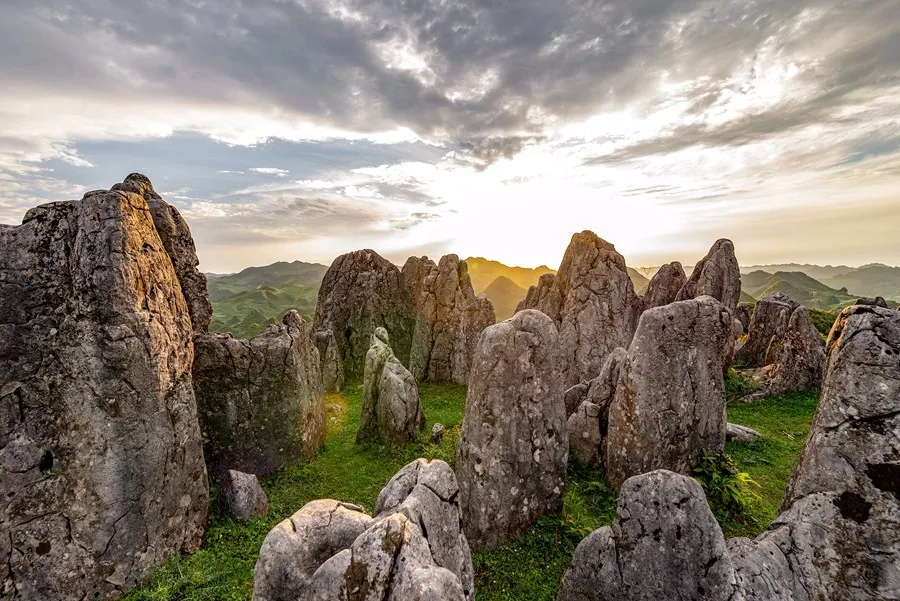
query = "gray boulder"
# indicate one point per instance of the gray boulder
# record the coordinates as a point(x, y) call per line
point(743, 313)
point(437, 433)
point(878, 301)
point(801, 362)
point(101, 460)
point(664, 285)
point(738, 433)
point(767, 327)
point(391, 410)
point(717, 275)
point(545, 295)
point(585, 437)
point(361, 291)
point(593, 303)
point(413, 550)
point(449, 320)
point(242, 496)
point(513, 447)
point(674, 369)
point(261, 400)
point(330, 365)
point(664, 544)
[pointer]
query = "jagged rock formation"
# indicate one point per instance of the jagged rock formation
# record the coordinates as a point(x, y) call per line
point(391, 409)
point(743, 313)
point(330, 365)
point(513, 447)
point(101, 461)
point(767, 327)
point(664, 544)
point(878, 301)
point(413, 275)
point(413, 550)
point(593, 303)
point(261, 401)
point(449, 319)
point(585, 435)
point(242, 496)
point(836, 536)
point(664, 286)
point(674, 369)
point(717, 275)
point(361, 291)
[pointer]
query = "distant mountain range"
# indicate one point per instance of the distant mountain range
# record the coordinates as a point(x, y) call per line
point(244, 303)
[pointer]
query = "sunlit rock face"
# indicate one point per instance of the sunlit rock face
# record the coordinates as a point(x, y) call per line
point(664, 285)
point(717, 275)
point(361, 291)
point(261, 400)
point(101, 461)
point(513, 446)
point(593, 303)
point(449, 320)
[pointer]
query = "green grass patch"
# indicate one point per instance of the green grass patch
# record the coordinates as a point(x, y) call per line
point(528, 569)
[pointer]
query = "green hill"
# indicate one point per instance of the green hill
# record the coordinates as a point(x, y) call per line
point(504, 294)
point(870, 280)
point(245, 303)
point(484, 271)
point(638, 280)
point(800, 287)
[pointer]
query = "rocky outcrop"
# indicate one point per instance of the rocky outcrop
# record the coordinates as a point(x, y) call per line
point(585, 436)
point(674, 369)
point(544, 296)
point(330, 365)
point(242, 496)
point(261, 400)
point(361, 291)
point(413, 550)
point(101, 461)
point(801, 362)
point(717, 275)
point(413, 275)
point(664, 544)
point(767, 327)
point(513, 447)
point(743, 313)
point(593, 303)
point(391, 410)
point(836, 535)
point(878, 301)
point(449, 319)
point(664, 285)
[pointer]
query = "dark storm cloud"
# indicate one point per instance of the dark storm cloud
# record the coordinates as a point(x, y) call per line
point(483, 152)
point(496, 69)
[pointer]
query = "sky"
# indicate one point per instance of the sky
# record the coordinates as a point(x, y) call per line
point(303, 129)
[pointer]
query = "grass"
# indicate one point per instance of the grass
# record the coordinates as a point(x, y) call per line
point(528, 569)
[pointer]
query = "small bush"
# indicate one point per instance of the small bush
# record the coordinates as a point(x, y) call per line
point(730, 492)
point(738, 385)
point(823, 320)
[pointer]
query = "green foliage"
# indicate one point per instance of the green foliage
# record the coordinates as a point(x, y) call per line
point(729, 491)
point(737, 385)
point(823, 320)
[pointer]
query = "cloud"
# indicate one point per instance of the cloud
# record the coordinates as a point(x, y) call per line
point(270, 171)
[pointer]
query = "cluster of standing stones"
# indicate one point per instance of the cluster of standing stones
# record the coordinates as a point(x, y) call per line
point(117, 405)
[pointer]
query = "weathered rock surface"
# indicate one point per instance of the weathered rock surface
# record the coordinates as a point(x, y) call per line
point(437, 433)
point(330, 364)
point(664, 285)
point(414, 550)
point(413, 275)
point(664, 544)
point(261, 401)
point(767, 327)
point(593, 303)
point(717, 275)
point(669, 403)
point(242, 496)
point(544, 295)
point(585, 437)
point(101, 461)
point(391, 409)
point(836, 537)
point(601, 389)
point(801, 362)
point(513, 447)
point(743, 313)
point(361, 291)
point(738, 433)
point(878, 301)
point(449, 319)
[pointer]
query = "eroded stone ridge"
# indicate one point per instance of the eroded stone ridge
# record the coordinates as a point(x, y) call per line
point(449, 319)
point(360, 292)
point(413, 550)
point(664, 285)
point(513, 447)
point(101, 461)
point(717, 275)
point(261, 400)
point(669, 402)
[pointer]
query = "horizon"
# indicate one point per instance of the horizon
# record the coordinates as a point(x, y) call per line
point(311, 129)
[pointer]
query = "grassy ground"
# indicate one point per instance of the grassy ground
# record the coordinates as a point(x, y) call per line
point(529, 569)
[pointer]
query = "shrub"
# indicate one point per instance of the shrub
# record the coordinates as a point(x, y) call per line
point(730, 492)
point(738, 385)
